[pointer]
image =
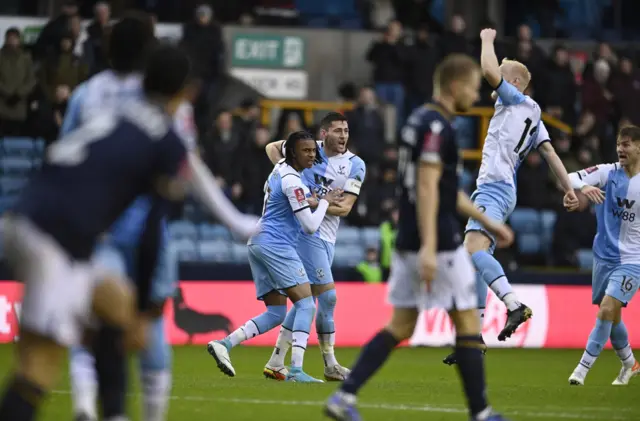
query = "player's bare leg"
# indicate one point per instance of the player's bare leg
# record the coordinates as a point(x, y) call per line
point(478, 244)
point(341, 405)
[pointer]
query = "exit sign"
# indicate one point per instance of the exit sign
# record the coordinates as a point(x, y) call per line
point(268, 51)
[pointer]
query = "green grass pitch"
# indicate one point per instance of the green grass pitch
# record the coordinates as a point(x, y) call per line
point(525, 385)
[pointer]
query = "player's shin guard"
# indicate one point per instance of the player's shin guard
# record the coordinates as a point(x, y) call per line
point(596, 342)
point(325, 326)
point(620, 342)
point(471, 369)
point(373, 356)
point(20, 401)
point(84, 382)
point(111, 367)
point(155, 364)
point(493, 275)
point(305, 310)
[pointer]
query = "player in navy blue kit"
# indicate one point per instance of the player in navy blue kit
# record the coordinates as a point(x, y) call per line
point(430, 267)
point(88, 179)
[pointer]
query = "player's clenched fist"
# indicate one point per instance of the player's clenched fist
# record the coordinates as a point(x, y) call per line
point(488, 34)
point(427, 264)
point(570, 201)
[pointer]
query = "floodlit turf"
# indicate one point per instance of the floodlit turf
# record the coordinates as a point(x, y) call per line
point(527, 385)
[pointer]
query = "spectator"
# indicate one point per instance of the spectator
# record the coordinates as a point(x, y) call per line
point(50, 36)
point(414, 14)
point(625, 88)
point(63, 71)
point(389, 59)
point(533, 187)
point(202, 39)
point(560, 91)
point(248, 116)
point(366, 128)
point(369, 269)
point(454, 39)
point(95, 47)
point(222, 148)
point(17, 80)
point(596, 100)
point(290, 122)
point(257, 167)
point(423, 58)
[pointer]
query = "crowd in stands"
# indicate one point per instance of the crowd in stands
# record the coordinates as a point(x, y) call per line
point(597, 98)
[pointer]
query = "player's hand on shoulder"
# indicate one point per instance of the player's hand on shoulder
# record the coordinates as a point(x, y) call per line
point(334, 196)
point(427, 264)
point(570, 201)
point(488, 34)
point(502, 232)
point(594, 194)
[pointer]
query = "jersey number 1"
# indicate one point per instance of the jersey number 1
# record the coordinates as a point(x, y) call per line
point(525, 134)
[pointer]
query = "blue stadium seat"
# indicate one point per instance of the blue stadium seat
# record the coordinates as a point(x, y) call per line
point(348, 256)
point(371, 236)
point(183, 229)
point(214, 232)
point(6, 202)
point(529, 243)
point(215, 251)
point(348, 236)
point(240, 253)
point(548, 220)
point(15, 166)
point(525, 221)
point(18, 147)
point(39, 146)
point(184, 249)
point(12, 185)
point(585, 259)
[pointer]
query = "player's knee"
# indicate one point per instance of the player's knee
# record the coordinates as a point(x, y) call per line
point(610, 309)
point(40, 360)
point(277, 314)
point(327, 300)
point(305, 304)
point(475, 241)
point(114, 302)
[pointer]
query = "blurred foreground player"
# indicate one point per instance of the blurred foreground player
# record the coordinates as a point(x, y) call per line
point(88, 179)
point(616, 252)
point(430, 267)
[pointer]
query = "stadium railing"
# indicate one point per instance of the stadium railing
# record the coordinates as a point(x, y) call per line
point(483, 114)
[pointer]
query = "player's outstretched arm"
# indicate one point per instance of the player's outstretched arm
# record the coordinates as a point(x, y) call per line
point(488, 58)
point(555, 163)
point(274, 151)
point(209, 193)
point(590, 180)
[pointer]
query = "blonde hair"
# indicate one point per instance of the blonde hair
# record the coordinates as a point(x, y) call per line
point(454, 67)
point(520, 70)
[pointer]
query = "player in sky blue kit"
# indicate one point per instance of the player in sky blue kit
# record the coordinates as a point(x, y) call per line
point(277, 270)
point(430, 267)
point(615, 188)
point(89, 177)
point(120, 250)
point(514, 130)
point(339, 169)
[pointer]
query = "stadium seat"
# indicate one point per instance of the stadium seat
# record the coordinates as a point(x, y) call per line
point(12, 185)
point(371, 236)
point(213, 232)
point(215, 251)
point(585, 259)
point(18, 147)
point(348, 236)
point(529, 243)
point(525, 221)
point(240, 253)
point(184, 249)
point(183, 229)
point(548, 220)
point(348, 256)
point(39, 146)
point(6, 202)
point(15, 166)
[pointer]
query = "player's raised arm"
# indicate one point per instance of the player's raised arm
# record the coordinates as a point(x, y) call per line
point(590, 180)
point(351, 189)
point(274, 151)
point(488, 58)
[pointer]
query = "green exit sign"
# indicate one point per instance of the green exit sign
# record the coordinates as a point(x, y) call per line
point(268, 51)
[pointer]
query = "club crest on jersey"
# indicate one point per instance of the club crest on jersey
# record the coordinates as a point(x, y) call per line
point(341, 169)
point(300, 197)
point(432, 139)
point(301, 272)
point(591, 169)
point(320, 273)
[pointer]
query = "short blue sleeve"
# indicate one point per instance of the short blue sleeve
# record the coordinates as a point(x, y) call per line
point(356, 176)
point(509, 94)
point(72, 116)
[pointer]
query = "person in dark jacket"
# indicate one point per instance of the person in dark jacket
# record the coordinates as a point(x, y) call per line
point(423, 57)
point(50, 36)
point(95, 47)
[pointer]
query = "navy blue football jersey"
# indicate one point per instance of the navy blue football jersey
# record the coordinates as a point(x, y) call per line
point(428, 137)
point(91, 175)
